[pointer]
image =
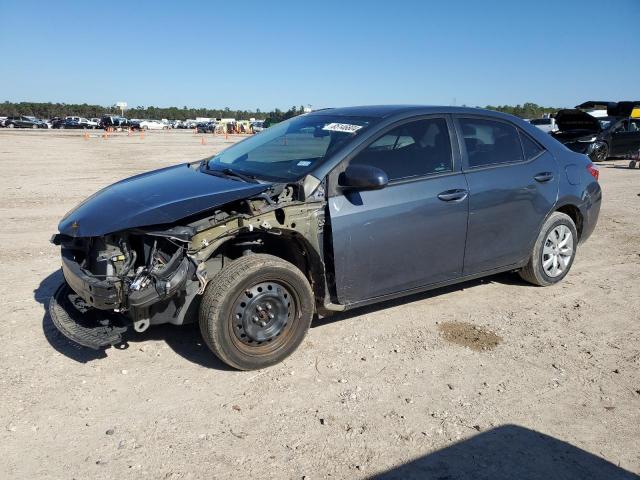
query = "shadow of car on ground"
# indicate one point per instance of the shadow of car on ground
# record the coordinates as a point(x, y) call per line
point(509, 452)
point(186, 340)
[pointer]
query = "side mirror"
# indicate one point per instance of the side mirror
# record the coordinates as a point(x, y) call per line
point(362, 177)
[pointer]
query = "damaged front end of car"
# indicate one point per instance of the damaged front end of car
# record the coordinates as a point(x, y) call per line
point(150, 275)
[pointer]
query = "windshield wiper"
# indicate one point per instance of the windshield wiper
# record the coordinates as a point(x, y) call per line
point(228, 172)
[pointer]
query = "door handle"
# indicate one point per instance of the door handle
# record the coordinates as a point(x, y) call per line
point(543, 177)
point(453, 195)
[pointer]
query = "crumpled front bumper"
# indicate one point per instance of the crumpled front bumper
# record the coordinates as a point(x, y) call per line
point(103, 294)
point(84, 325)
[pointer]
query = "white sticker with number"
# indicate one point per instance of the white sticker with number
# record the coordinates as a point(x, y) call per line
point(342, 127)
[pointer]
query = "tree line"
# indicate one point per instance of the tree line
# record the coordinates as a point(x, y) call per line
point(526, 110)
point(50, 110)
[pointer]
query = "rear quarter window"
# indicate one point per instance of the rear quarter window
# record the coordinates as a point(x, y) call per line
point(530, 147)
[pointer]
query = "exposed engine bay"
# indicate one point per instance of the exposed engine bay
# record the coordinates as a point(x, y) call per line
point(155, 275)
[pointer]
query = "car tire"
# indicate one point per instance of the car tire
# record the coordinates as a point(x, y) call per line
point(632, 164)
point(256, 311)
point(600, 153)
point(11, 125)
point(553, 252)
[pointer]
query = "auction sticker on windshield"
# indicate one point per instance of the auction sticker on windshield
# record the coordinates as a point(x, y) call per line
point(342, 127)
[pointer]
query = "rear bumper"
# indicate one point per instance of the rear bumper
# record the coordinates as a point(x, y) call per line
point(103, 294)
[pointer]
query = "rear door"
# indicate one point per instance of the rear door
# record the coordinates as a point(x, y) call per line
point(513, 184)
point(410, 233)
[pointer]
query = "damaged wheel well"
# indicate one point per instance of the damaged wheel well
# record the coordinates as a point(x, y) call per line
point(291, 247)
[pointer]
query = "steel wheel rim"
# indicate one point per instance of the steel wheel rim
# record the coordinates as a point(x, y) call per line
point(262, 317)
point(557, 251)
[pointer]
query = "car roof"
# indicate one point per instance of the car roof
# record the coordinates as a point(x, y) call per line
point(384, 111)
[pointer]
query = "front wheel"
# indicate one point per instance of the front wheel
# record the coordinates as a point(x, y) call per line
point(553, 252)
point(600, 152)
point(11, 125)
point(256, 311)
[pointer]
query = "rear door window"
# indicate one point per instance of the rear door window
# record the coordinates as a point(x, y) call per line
point(490, 142)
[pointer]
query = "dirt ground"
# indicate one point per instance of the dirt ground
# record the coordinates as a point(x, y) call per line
point(548, 386)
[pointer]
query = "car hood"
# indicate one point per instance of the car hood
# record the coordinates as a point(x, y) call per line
point(614, 109)
point(571, 119)
point(157, 197)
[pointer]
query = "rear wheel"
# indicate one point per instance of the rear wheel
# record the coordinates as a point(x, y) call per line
point(256, 311)
point(11, 125)
point(632, 164)
point(553, 252)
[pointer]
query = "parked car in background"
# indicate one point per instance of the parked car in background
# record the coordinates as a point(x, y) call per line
point(69, 123)
point(24, 122)
point(257, 126)
point(153, 125)
point(321, 213)
point(206, 127)
point(547, 125)
point(86, 123)
point(615, 135)
point(56, 122)
point(113, 121)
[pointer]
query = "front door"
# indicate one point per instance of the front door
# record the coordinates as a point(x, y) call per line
point(626, 137)
point(410, 233)
point(513, 184)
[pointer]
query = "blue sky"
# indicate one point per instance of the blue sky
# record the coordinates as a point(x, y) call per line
point(267, 54)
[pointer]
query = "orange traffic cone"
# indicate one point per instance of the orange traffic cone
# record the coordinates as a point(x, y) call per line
point(203, 141)
point(141, 134)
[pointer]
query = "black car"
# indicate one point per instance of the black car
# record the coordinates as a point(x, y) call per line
point(615, 135)
point(134, 125)
point(24, 122)
point(67, 123)
point(114, 121)
point(321, 213)
point(206, 127)
point(56, 122)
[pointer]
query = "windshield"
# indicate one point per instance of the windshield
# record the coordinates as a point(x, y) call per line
point(291, 149)
point(605, 122)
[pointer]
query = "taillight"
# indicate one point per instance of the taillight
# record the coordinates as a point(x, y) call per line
point(594, 171)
